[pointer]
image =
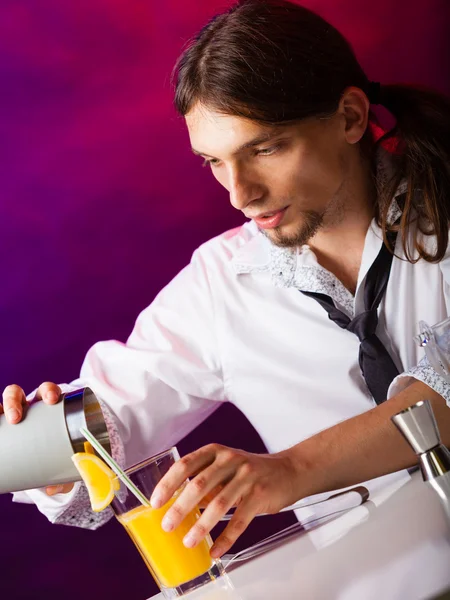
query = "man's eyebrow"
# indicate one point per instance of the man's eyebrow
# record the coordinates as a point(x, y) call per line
point(256, 141)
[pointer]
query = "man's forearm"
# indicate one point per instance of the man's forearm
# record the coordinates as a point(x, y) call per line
point(366, 446)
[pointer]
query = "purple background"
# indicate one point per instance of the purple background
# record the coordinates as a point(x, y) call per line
point(102, 204)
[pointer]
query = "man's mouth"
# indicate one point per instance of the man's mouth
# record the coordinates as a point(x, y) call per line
point(270, 220)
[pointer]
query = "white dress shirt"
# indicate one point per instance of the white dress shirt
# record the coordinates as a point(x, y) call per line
point(233, 326)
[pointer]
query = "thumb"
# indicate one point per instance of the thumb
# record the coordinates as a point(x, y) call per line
point(63, 488)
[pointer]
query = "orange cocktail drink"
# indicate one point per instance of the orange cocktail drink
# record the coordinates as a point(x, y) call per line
point(175, 568)
point(164, 553)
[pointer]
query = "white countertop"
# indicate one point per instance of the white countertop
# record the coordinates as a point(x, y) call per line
point(395, 547)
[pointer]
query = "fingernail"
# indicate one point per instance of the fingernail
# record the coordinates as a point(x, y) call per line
point(167, 524)
point(216, 551)
point(54, 489)
point(155, 501)
point(51, 397)
point(189, 540)
point(13, 414)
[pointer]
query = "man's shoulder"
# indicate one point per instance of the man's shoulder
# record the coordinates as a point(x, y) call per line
point(227, 245)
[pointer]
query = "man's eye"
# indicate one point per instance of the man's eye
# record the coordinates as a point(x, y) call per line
point(210, 162)
point(267, 151)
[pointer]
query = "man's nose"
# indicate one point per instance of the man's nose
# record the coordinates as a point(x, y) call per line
point(243, 189)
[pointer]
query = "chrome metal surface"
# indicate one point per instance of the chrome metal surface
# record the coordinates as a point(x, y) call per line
point(82, 409)
point(435, 463)
point(418, 426)
point(441, 485)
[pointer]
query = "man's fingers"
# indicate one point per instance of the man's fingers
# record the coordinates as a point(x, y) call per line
point(13, 402)
point(192, 494)
point(179, 472)
point(63, 488)
point(209, 497)
point(14, 399)
point(48, 392)
point(243, 516)
point(215, 510)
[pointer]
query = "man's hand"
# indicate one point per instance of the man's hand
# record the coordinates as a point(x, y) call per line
point(14, 401)
point(254, 483)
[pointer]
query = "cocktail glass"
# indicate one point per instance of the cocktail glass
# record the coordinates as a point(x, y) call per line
point(175, 568)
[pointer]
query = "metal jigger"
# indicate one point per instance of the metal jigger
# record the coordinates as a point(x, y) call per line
point(418, 426)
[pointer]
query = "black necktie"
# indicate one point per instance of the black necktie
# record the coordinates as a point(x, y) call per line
point(377, 367)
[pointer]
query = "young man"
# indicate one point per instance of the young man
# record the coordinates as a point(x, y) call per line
point(302, 317)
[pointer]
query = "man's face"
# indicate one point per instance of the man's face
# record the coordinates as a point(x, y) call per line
point(289, 179)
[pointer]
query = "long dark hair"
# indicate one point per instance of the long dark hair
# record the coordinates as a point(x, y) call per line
point(274, 61)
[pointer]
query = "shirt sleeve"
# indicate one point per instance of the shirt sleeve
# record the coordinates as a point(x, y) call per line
point(423, 371)
point(156, 387)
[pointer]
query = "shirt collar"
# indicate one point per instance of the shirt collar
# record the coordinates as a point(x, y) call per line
point(298, 267)
point(290, 267)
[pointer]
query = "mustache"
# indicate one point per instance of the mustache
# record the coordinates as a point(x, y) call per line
point(312, 222)
point(264, 206)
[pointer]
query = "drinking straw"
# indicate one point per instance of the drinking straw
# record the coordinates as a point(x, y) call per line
point(114, 466)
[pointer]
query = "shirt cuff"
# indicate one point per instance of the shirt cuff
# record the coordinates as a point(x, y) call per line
point(422, 372)
point(73, 508)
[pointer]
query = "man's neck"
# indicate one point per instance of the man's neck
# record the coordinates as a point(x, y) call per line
point(340, 243)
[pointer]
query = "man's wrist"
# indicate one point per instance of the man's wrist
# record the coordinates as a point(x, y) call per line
point(309, 475)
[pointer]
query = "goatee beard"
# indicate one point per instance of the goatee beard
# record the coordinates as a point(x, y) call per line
point(313, 221)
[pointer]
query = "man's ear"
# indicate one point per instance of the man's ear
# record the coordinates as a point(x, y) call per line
point(354, 107)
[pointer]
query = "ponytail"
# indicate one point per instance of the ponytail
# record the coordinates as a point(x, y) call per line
point(423, 132)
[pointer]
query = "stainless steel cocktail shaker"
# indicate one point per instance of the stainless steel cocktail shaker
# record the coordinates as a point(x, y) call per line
point(37, 451)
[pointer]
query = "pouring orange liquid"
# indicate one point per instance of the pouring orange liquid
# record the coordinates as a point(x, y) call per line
point(164, 553)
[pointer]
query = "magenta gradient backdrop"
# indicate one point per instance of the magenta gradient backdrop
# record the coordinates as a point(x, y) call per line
point(102, 203)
